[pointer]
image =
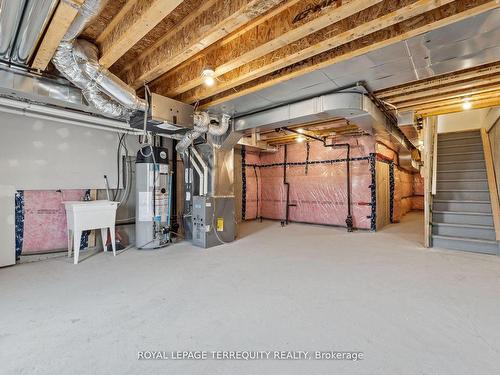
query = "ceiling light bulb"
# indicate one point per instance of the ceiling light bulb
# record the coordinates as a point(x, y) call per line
point(300, 139)
point(300, 130)
point(209, 81)
point(208, 76)
point(466, 105)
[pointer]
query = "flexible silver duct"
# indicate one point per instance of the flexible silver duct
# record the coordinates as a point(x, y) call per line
point(77, 60)
point(202, 125)
point(36, 17)
point(87, 12)
point(10, 16)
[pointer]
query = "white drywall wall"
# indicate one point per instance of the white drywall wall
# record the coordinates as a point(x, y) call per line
point(466, 120)
point(40, 154)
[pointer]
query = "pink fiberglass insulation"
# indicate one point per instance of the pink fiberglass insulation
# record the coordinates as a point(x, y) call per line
point(318, 192)
point(407, 193)
point(45, 219)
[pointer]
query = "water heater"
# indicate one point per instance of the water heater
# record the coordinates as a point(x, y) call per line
point(153, 198)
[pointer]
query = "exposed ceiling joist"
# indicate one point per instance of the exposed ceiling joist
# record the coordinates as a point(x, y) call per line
point(463, 86)
point(439, 17)
point(445, 109)
point(63, 17)
point(477, 90)
point(378, 16)
point(206, 26)
point(404, 92)
point(132, 23)
point(295, 21)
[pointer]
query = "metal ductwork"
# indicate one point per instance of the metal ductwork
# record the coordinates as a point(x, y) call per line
point(203, 124)
point(356, 107)
point(77, 60)
point(22, 23)
point(37, 14)
point(10, 16)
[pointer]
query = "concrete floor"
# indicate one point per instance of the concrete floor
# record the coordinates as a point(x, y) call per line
point(410, 310)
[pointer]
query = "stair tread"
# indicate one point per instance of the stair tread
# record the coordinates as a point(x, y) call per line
point(462, 170)
point(492, 242)
point(459, 161)
point(464, 190)
point(462, 213)
point(473, 226)
point(458, 138)
point(460, 153)
point(460, 201)
point(470, 144)
point(465, 180)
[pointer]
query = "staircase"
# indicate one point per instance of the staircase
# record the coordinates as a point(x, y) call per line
point(461, 211)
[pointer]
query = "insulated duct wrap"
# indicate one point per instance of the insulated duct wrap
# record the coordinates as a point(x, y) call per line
point(77, 60)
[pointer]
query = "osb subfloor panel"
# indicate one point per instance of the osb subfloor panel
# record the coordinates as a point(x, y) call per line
point(410, 310)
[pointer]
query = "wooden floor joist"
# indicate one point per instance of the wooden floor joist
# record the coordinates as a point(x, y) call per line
point(402, 92)
point(477, 90)
point(282, 29)
point(442, 110)
point(61, 20)
point(408, 28)
point(207, 26)
point(134, 21)
point(376, 17)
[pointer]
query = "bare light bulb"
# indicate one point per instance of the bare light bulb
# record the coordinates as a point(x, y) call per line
point(466, 105)
point(208, 76)
point(209, 81)
point(300, 139)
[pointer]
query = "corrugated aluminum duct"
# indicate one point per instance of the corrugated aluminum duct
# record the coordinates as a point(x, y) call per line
point(77, 60)
point(36, 17)
point(10, 16)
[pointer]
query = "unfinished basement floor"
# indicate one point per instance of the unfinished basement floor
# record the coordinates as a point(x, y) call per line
point(410, 310)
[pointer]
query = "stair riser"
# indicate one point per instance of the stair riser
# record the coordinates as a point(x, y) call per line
point(459, 175)
point(458, 142)
point(460, 165)
point(461, 207)
point(477, 233)
point(462, 219)
point(463, 195)
point(462, 157)
point(465, 246)
point(467, 147)
point(462, 185)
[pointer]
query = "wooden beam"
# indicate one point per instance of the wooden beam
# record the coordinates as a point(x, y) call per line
point(492, 185)
point(291, 24)
point(466, 75)
point(458, 107)
point(459, 94)
point(206, 27)
point(461, 86)
point(133, 22)
point(63, 17)
point(439, 17)
point(375, 18)
point(455, 101)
